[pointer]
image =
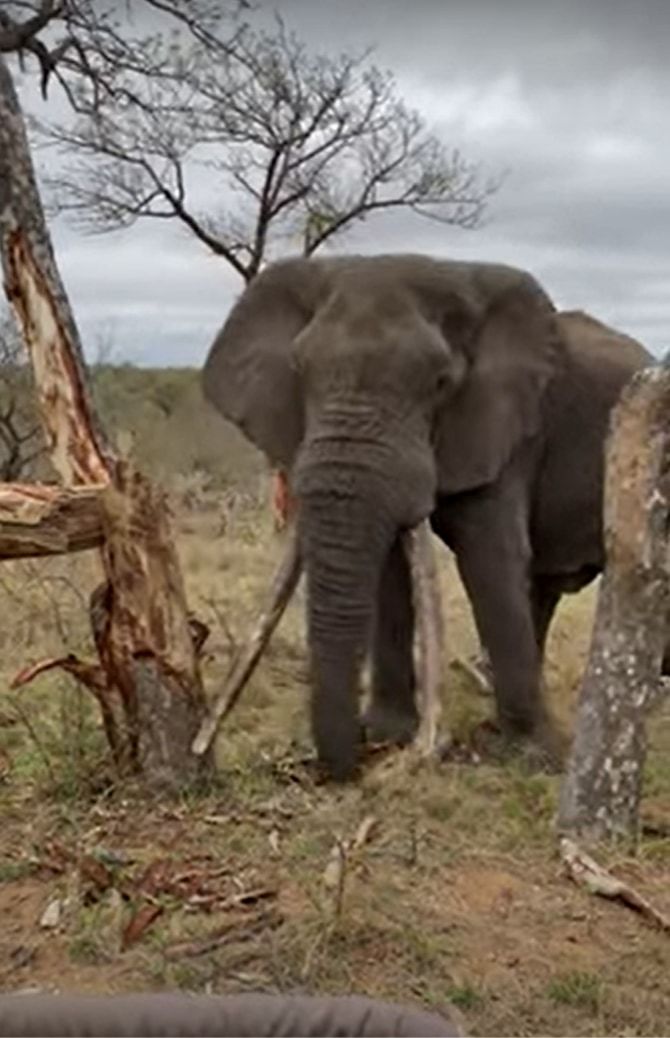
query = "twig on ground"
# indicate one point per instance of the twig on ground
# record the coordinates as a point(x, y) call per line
point(586, 872)
point(243, 926)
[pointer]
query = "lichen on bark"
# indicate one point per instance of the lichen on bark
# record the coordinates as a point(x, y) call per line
point(602, 788)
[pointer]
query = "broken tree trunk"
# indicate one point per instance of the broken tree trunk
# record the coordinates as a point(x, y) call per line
point(146, 643)
point(48, 520)
point(603, 784)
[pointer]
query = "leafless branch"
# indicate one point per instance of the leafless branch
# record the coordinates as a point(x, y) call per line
point(298, 146)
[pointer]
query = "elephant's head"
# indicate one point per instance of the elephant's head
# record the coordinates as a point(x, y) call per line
point(378, 383)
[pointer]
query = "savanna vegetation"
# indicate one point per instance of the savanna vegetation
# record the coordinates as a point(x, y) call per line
point(432, 882)
point(454, 891)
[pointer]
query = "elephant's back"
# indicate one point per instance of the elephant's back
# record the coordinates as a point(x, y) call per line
point(567, 506)
point(600, 351)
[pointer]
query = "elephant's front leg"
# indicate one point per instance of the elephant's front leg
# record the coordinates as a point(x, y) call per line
point(489, 537)
point(392, 715)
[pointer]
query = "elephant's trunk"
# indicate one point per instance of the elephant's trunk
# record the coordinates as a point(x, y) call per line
point(344, 541)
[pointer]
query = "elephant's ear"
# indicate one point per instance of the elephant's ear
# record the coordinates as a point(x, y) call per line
point(249, 375)
point(512, 352)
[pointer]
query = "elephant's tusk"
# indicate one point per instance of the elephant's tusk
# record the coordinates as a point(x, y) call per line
point(428, 612)
point(283, 586)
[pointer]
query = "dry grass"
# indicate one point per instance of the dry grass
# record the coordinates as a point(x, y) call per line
point(456, 896)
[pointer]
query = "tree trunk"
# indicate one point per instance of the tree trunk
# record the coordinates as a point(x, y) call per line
point(603, 784)
point(146, 644)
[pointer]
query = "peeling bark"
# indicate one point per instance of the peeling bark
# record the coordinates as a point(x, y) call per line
point(146, 643)
point(48, 520)
point(603, 784)
point(428, 612)
point(36, 292)
point(283, 502)
point(148, 683)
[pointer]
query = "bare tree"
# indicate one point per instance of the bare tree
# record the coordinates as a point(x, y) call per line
point(21, 442)
point(295, 147)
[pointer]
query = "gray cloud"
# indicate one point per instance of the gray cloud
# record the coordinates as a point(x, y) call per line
point(570, 99)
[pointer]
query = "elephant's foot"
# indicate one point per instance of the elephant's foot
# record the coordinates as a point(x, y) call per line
point(540, 748)
point(383, 724)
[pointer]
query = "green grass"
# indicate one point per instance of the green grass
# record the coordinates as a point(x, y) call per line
point(578, 990)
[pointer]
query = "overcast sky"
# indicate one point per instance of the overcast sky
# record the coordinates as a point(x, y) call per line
point(571, 98)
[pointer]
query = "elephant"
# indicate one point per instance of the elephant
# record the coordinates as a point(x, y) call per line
point(394, 388)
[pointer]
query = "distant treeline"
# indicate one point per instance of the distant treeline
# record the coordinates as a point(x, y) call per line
point(175, 433)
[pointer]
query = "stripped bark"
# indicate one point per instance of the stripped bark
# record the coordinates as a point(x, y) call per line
point(48, 520)
point(428, 612)
point(36, 292)
point(151, 695)
point(602, 788)
point(147, 648)
point(283, 502)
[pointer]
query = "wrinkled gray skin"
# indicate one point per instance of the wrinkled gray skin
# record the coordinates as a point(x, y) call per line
point(393, 388)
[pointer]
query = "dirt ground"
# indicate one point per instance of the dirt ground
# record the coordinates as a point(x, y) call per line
point(429, 884)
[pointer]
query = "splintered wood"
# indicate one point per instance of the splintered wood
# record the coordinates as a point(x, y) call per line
point(73, 437)
point(429, 621)
point(48, 520)
point(148, 680)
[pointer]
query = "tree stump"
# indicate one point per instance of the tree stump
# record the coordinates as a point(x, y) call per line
point(602, 788)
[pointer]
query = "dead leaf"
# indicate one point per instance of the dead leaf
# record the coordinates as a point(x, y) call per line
point(56, 857)
point(333, 874)
point(139, 923)
point(50, 917)
point(273, 840)
point(96, 873)
point(364, 831)
point(217, 819)
point(158, 878)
